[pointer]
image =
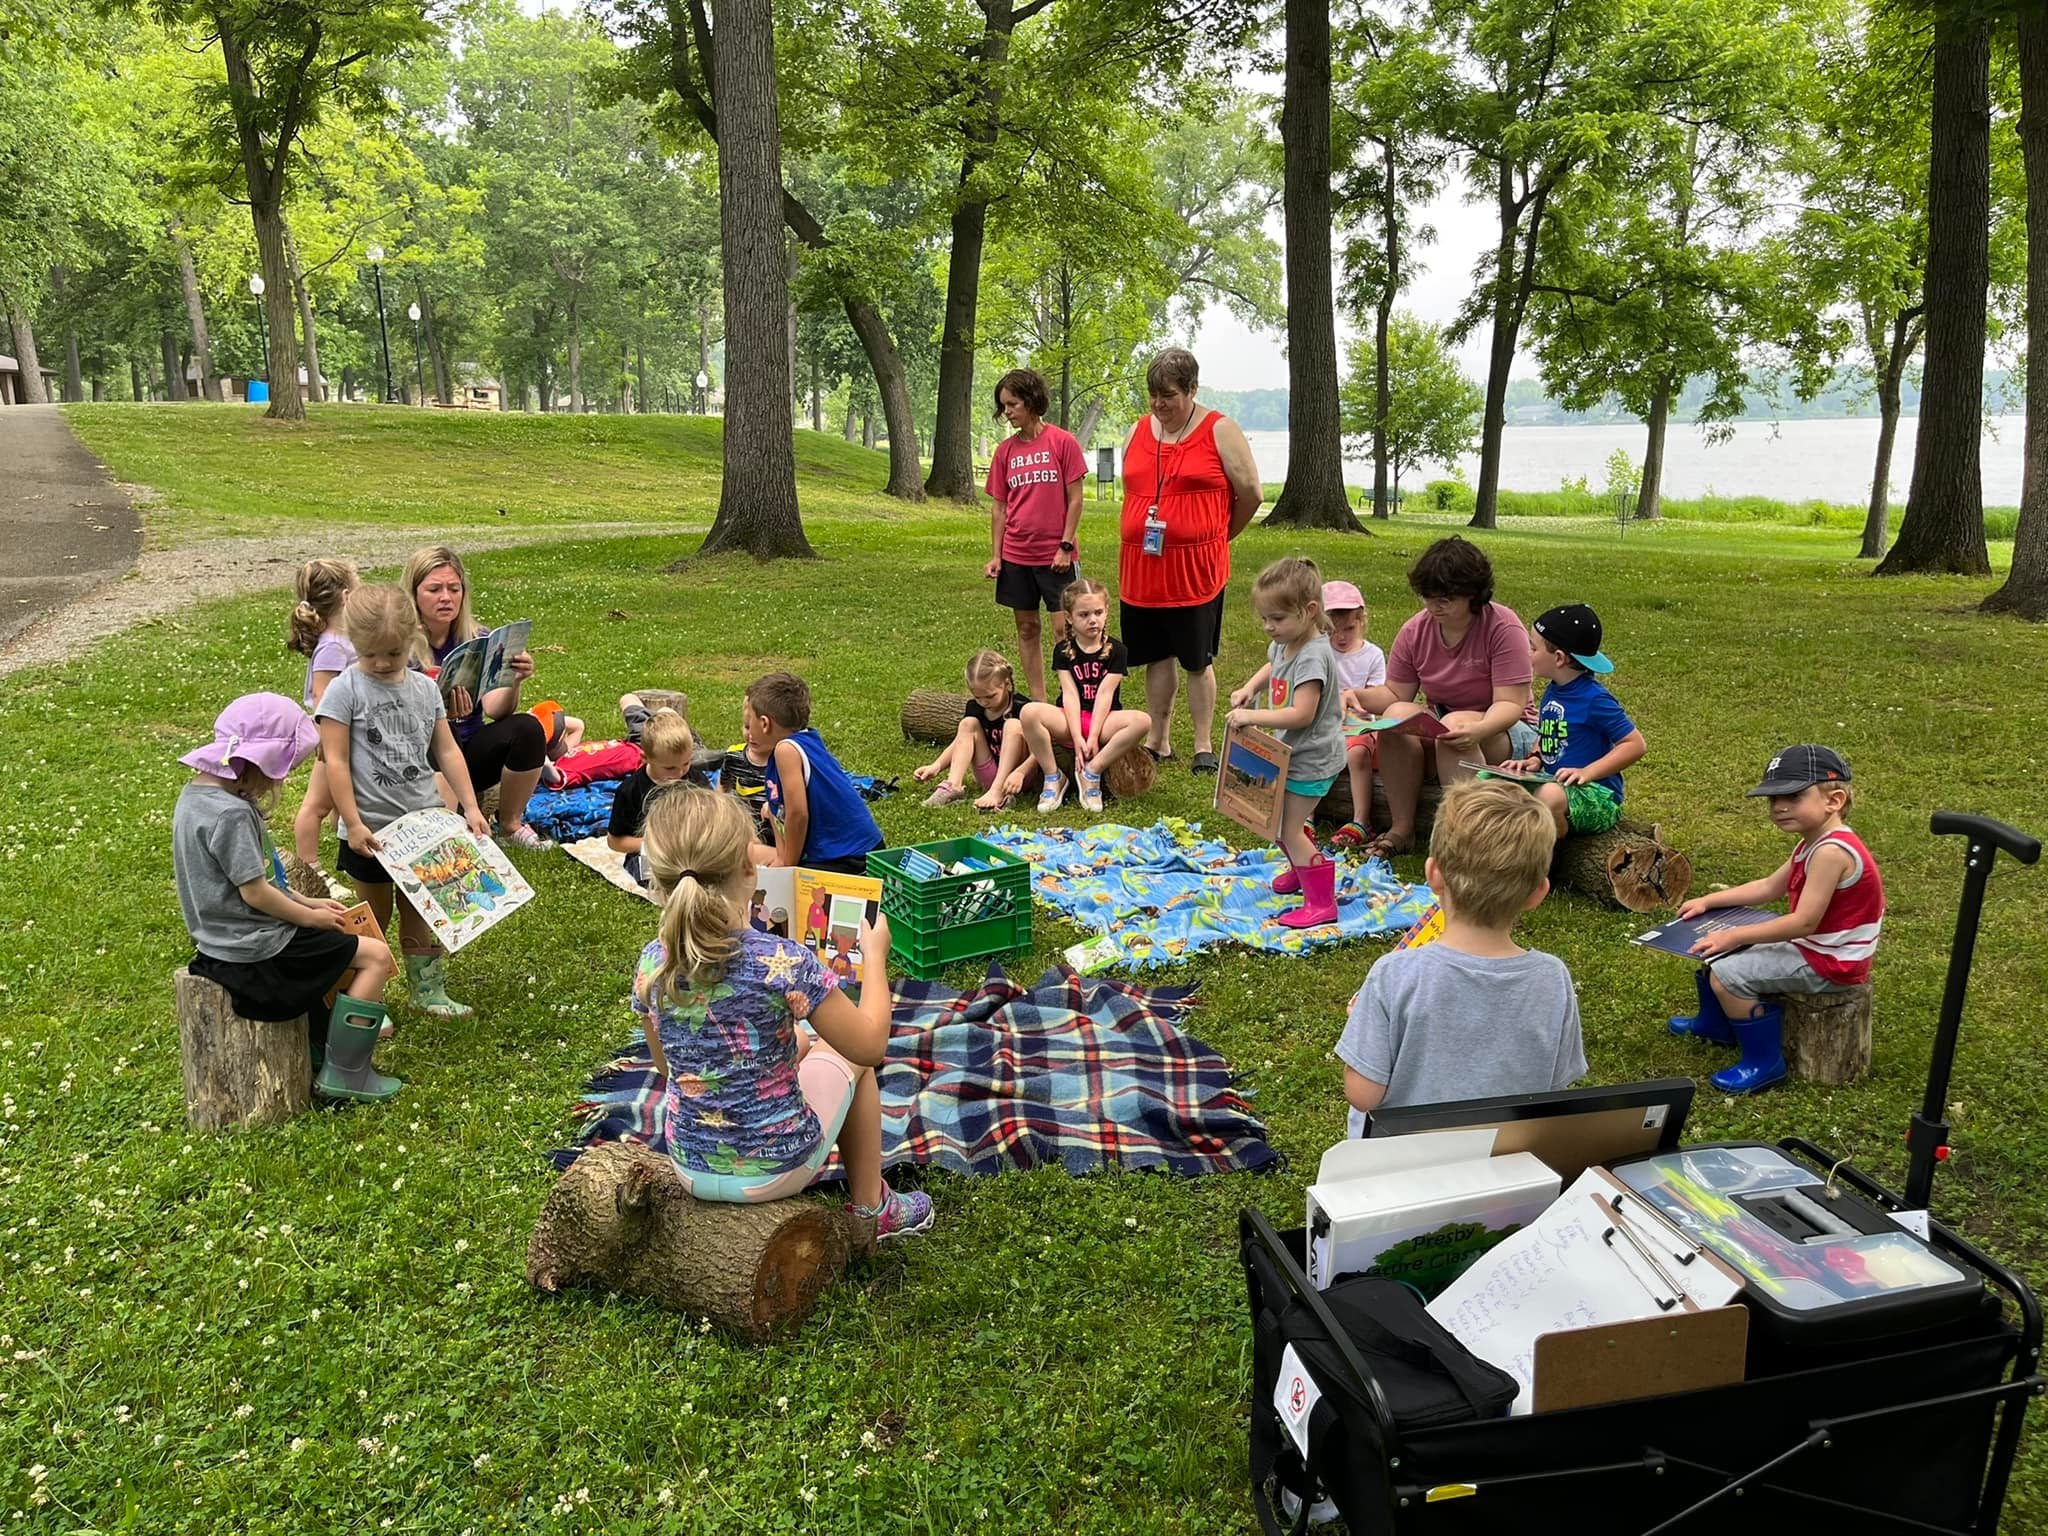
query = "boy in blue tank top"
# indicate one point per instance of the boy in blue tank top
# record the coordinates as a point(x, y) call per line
point(820, 817)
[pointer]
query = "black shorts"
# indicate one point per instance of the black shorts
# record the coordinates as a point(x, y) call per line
point(1190, 636)
point(362, 868)
point(292, 982)
point(1024, 587)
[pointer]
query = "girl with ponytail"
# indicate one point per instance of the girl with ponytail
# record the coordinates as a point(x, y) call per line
point(755, 1103)
point(316, 633)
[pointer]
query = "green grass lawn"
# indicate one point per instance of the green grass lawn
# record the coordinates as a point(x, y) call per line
point(324, 1326)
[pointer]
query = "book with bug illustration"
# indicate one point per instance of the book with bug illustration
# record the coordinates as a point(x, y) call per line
point(460, 883)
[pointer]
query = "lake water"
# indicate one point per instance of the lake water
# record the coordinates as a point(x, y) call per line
point(1791, 461)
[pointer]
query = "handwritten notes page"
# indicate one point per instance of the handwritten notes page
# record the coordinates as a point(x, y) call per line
point(1559, 1272)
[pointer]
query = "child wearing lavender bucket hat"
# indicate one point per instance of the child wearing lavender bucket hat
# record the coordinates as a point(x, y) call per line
point(277, 953)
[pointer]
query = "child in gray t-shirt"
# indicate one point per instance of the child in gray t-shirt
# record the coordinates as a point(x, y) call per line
point(1471, 1015)
point(1299, 685)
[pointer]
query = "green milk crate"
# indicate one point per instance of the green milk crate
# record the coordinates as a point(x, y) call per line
point(934, 923)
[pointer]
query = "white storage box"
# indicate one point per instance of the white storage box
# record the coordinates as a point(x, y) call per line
point(1419, 1208)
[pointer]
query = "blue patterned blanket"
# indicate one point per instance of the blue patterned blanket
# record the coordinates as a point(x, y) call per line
point(1163, 892)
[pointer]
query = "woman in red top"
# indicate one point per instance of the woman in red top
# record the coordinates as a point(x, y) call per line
point(1034, 479)
point(1190, 487)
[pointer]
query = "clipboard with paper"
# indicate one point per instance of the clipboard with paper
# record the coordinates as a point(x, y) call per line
point(1598, 1300)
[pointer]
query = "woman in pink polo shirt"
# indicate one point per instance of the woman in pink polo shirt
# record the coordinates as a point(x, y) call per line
point(1468, 657)
point(1035, 481)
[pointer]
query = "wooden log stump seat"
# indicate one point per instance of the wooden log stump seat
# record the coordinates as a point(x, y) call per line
point(1629, 866)
point(1827, 1035)
point(665, 698)
point(620, 1220)
point(238, 1071)
point(933, 715)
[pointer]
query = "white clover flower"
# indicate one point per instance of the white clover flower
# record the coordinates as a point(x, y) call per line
point(298, 1444)
point(666, 1497)
point(243, 1410)
point(782, 1405)
point(808, 1494)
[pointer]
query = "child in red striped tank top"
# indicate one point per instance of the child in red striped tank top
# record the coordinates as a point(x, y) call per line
point(1824, 942)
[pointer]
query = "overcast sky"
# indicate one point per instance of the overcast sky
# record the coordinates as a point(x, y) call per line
point(1233, 357)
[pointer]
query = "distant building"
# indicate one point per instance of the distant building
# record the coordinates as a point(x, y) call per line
point(10, 381)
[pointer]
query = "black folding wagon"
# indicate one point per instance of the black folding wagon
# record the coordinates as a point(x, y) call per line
point(1914, 1430)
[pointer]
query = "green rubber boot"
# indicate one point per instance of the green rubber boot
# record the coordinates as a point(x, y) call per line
point(427, 976)
point(346, 1073)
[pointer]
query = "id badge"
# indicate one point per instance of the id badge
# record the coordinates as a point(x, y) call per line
point(1155, 532)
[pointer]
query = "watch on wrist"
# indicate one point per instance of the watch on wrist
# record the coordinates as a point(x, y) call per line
point(1066, 546)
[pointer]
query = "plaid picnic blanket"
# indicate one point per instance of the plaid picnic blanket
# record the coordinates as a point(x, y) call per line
point(1080, 1071)
point(1160, 893)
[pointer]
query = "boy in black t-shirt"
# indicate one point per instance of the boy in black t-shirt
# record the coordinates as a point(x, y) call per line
point(1091, 665)
point(666, 744)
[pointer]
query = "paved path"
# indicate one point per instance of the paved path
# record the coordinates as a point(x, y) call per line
point(65, 527)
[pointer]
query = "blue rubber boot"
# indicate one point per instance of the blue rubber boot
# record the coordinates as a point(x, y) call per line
point(1710, 1023)
point(1763, 1056)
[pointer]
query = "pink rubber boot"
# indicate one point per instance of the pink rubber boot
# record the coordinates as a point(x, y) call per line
point(1318, 897)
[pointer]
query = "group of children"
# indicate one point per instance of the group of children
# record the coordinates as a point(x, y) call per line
point(760, 1101)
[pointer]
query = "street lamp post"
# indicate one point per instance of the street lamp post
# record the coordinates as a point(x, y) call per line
point(262, 321)
point(376, 255)
point(419, 377)
point(703, 397)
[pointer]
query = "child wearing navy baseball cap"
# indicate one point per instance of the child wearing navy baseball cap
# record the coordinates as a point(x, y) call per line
point(1584, 738)
point(1823, 943)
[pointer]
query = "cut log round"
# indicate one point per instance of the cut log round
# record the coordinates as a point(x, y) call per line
point(1827, 1035)
point(619, 1219)
point(238, 1071)
point(932, 714)
point(1335, 808)
point(665, 698)
point(307, 879)
point(1627, 866)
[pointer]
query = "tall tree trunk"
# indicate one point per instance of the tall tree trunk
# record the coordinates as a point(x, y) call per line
point(868, 436)
point(135, 380)
point(174, 368)
point(575, 353)
point(195, 315)
point(1091, 418)
point(1514, 275)
point(817, 395)
point(266, 187)
point(640, 372)
point(1314, 494)
point(1650, 499)
point(436, 353)
point(796, 399)
point(1891, 355)
point(1944, 525)
point(30, 380)
point(74, 375)
point(757, 505)
point(1067, 347)
point(2026, 587)
point(952, 473)
point(852, 429)
point(316, 386)
point(1382, 324)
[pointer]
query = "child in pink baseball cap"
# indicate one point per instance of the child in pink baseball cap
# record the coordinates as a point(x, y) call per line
point(1361, 671)
point(277, 953)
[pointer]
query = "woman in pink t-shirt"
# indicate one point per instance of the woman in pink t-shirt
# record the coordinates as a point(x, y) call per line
point(1035, 481)
point(1468, 657)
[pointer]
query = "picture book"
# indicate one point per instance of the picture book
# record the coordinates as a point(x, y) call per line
point(1530, 776)
point(459, 883)
point(1422, 723)
point(485, 662)
point(827, 913)
point(1678, 937)
point(1253, 780)
point(774, 904)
